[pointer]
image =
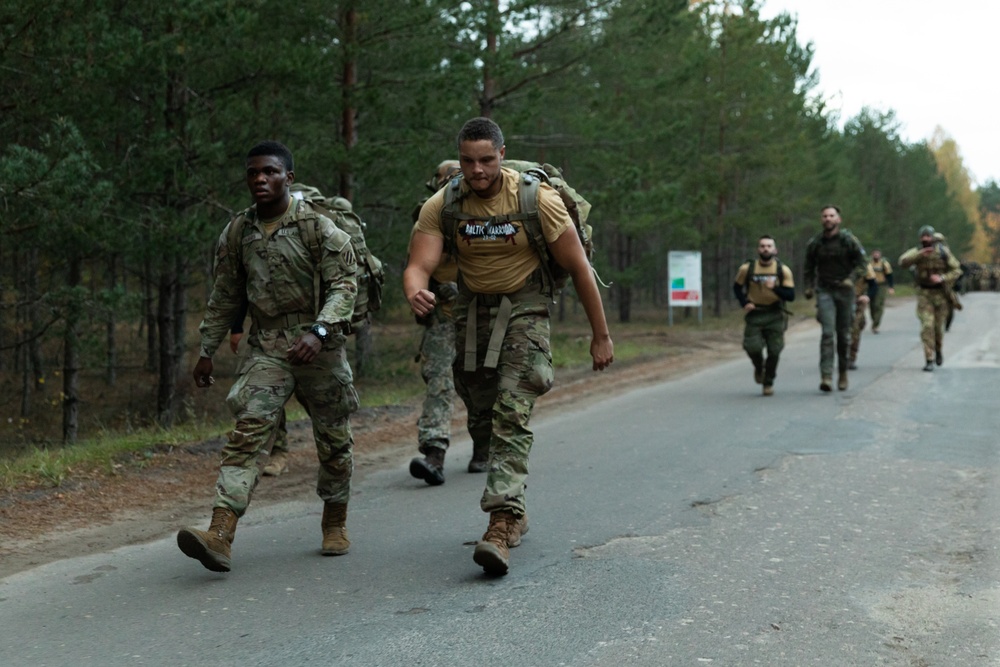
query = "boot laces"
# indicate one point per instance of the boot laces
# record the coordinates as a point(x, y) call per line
point(499, 528)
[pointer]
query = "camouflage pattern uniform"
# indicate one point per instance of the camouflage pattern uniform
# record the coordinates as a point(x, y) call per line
point(499, 393)
point(832, 267)
point(500, 400)
point(884, 280)
point(276, 274)
point(932, 299)
point(437, 354)
point(861, 287)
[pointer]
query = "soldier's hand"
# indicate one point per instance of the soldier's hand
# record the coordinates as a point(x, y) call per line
point(234, 342)
point(863, 299)
point(749, 306)
point(808, 293)
point(892, 291)
point(602, 350)
point(422, 302)
point(203, 373)
point(305, 348)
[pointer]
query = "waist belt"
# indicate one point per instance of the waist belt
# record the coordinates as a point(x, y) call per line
point(504, 303)
point(283, 321)
point(777, 305)
point(938, 286)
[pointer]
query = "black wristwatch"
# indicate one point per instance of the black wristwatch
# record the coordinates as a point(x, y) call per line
point(321, 331)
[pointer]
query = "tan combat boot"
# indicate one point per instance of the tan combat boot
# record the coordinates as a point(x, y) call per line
point(493, 551)
point(826, 384)
point(842, 381)
point(213, 546)
point(517, 529)
point(335, 542)
point(277, 463)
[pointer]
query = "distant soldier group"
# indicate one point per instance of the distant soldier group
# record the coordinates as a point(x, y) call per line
point(845, 282)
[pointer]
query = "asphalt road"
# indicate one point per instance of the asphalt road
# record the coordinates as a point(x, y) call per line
point(694, 522)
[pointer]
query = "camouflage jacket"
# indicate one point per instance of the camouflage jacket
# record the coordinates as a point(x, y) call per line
point(277, 276)
point(941, 262)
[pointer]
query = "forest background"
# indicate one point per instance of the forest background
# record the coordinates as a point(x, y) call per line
point(124, 125)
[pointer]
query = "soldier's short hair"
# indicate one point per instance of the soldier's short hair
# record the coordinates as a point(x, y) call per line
point(275, 149)
point(835, 208)
point(481, 128)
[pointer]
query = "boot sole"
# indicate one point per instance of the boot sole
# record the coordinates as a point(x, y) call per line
point(335, 552)
point(488, 557)
point(194, 547)
point(479, 466)
point(420, 470)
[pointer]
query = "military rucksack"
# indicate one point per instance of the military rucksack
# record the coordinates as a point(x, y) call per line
point(370, 275)
point(532, 174)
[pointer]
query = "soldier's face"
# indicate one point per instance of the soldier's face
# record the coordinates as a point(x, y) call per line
point(481, 166)
point(766, 249)
point(267, 179)
point(830, 219)
point(926, 240)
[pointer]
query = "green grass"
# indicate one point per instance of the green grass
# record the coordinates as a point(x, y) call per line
point(105, 454)
point(392, 378)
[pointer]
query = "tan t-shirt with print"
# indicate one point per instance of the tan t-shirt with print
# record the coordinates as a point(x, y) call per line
point(497, 258)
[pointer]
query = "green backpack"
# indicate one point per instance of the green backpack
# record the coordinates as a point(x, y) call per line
point(370, 275)
point(554, 277)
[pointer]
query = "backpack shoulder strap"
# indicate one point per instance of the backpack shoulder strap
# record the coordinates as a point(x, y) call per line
point(453, 196)
point(780, 271)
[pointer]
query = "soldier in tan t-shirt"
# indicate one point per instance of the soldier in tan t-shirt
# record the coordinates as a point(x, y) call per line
point(762, 286)
point(504, 359)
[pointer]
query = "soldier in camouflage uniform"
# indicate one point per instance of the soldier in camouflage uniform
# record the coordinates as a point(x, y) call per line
point(866, 286)
point(504, 361)
point(437, 354)
point(936, 269)
point(271, 254)
point(277, 460)
point(835, 260)
point(886, 283)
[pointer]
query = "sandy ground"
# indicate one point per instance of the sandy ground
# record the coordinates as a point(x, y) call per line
point(150, 497)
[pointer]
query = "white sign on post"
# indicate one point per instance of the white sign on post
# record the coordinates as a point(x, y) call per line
point(684, 274)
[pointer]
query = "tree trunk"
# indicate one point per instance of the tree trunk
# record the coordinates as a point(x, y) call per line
point(71, 357)
point(149, 307)
point(111, 358)
point(349, 132)
point(167, 380)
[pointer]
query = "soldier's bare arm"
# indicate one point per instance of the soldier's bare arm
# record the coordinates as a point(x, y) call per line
point(425, 255)
point(568, 252)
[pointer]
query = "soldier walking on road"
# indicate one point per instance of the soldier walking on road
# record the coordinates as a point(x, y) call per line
point(886, 284)
point(437, 354)
point(762, 286)
point(864, 291)
point(834, 261)
point(272, 254)
point(504, 361)
point(936, 269)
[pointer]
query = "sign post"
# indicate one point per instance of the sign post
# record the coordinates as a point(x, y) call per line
point(684, 274)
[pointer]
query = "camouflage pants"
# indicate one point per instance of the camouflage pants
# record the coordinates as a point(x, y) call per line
point(266, 382)
point(500, 400)
point(857, 326)
point(765, 328)
point(437, 354)
point(835, 312)
point(932, 311)
point(878, 305)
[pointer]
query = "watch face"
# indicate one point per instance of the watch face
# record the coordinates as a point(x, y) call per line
point(321, 331)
